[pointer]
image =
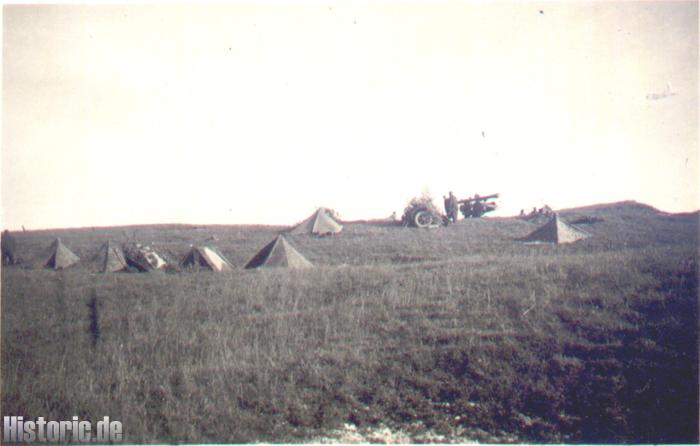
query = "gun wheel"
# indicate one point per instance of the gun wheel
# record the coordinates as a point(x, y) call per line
point(423, 219)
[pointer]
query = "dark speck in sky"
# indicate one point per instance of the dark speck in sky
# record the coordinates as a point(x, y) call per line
point(541, 11)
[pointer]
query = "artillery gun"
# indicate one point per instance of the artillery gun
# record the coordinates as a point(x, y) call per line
point(477, 206)
point(422, 213)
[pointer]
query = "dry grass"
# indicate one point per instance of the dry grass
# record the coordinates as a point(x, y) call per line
point(451, 331)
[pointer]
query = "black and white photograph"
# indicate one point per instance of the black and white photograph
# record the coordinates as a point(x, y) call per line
point(334, 221)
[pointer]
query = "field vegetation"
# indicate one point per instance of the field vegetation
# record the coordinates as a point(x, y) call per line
point(461, 331)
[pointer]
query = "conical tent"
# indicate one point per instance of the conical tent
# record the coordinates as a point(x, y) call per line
point(556, 231)
point(111, 258)
point(279, 253)
point(59, 256)
point(206, 258)
point(319, 223)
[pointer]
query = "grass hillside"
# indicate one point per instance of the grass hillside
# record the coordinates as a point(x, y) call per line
point(460, 331)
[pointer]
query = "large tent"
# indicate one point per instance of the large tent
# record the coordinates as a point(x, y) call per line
point(203, 257)
point(59, 256)
point(111, 258)
point(556, 231)
point(279, 253)
point(319, 223)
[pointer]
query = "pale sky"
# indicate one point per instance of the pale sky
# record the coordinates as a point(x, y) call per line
point(261, 112)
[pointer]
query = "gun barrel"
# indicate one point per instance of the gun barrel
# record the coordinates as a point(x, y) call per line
point(482, 198)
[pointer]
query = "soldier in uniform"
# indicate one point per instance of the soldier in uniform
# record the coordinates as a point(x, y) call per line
point(477, 207)
point(8, 248)
point(451, 207)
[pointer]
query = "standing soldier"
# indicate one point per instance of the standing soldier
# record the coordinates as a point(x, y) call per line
point(477, 207)
point(452, 208)
point(8, 248)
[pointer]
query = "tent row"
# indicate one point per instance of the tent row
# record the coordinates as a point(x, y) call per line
point(112, 258)
point(277, 253)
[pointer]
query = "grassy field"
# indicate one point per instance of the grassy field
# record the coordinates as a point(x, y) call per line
point(460, 331)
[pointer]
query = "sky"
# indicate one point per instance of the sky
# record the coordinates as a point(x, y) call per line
point(260, 112)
